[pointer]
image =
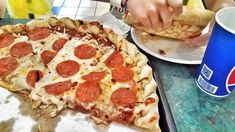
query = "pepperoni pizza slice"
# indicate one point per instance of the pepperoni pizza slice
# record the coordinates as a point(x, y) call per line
point(25, 52)
point(18, 68)
point(83, 66)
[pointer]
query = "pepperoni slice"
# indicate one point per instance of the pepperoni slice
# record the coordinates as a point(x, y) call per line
point(58, 44)
point(94, 76)
point(80, 34)
point(7, 65)
point(67, 68)
point(122, 74)
point(124, 97)
point(33, 76)
point(72, 32)
point(58, 88)
point(39, 33)
point(102, 40)
point(58, 28)
point(105, 41)
point(149, 101)
point(114, 60)
point(124, 116)
point(85, 51)
point(88, 91)
point(47, 56)
point(6, 40)
point(21, 49)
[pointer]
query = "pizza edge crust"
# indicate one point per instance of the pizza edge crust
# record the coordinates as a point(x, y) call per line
point(150, 119)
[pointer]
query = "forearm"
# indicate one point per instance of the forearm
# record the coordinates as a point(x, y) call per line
point(1, 8)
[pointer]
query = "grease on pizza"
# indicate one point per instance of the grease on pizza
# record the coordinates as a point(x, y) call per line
point(80, 65)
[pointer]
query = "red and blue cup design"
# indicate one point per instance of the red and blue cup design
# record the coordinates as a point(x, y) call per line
point(216, 75)
point(230, 81)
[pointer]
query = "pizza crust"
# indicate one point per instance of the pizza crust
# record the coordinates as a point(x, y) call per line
point(148, 84)
point(145, 115)
point(150, 111)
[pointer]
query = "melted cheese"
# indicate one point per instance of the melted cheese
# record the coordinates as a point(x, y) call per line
point(67, 53)
point(16, 81)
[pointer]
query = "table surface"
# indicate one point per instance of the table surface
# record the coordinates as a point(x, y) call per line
point(192, 110)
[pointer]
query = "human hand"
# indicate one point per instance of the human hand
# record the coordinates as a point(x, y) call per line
point(198, 41)
point(202, 39)
point(155, 13)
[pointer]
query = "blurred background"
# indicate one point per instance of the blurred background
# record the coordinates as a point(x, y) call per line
point(80, 8)
point(75, 9)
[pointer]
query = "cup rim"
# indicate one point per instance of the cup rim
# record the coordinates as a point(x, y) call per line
point(220, 23)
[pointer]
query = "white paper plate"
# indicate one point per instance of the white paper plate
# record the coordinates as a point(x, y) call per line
point(175, 50)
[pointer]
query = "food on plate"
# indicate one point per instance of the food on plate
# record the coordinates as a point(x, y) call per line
point(189, 23)
point(162, 52)
point(144, 37)
point(79, 65)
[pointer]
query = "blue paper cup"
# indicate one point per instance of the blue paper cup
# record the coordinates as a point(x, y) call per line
point(216, 75)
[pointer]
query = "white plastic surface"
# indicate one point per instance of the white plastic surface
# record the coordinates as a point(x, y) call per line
point(175, 50)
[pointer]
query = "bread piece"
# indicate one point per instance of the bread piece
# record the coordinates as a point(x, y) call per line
point(189, 23)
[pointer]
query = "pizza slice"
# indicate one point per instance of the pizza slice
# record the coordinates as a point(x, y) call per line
point(20, 68)
point(101, 74)
point(26, 50)
point(189, 23)
point(83, 66)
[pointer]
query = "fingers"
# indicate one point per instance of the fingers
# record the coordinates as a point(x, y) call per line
point(159, 15)
point(197, 41)
point(176, 5)
point(154, 17)
point(139, 9)
point(155, 14)
point(145, 20)
point(166, 16)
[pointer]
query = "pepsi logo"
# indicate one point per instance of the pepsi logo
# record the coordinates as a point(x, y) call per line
point(230, 81)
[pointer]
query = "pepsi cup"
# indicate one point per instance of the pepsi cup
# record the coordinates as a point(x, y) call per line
point(216, 75)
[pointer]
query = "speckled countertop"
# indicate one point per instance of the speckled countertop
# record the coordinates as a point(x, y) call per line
point(192, 109)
